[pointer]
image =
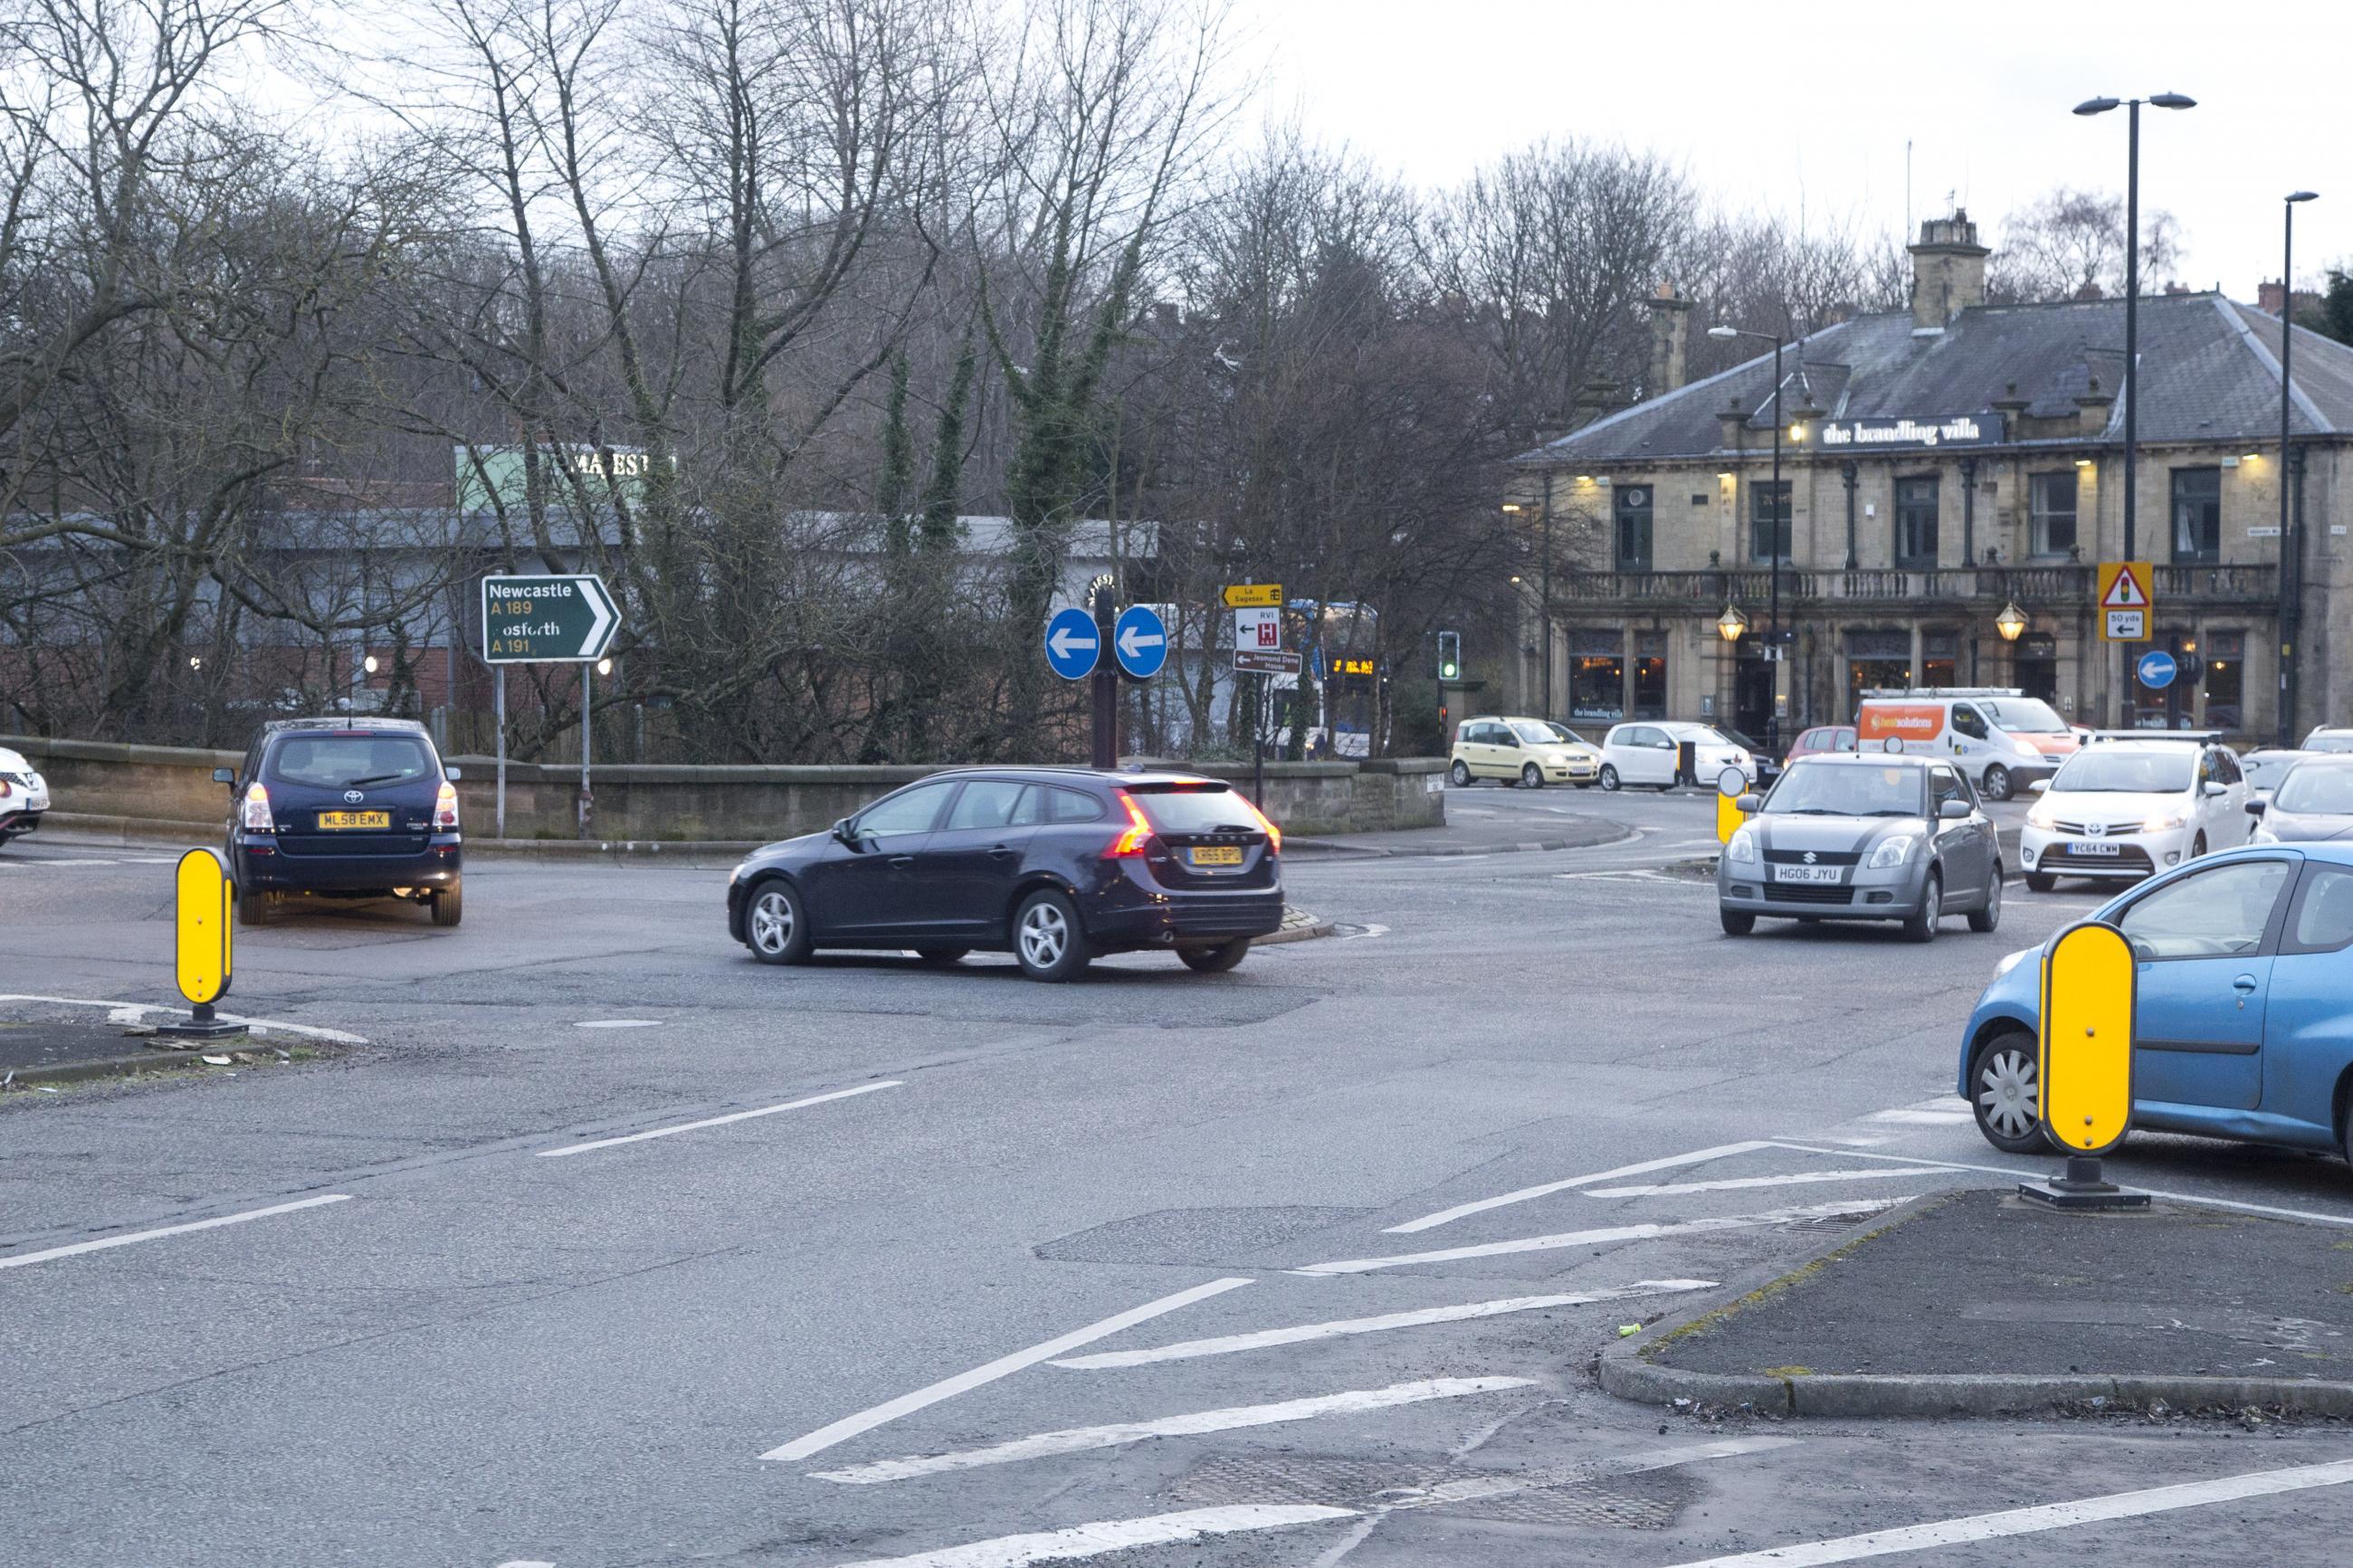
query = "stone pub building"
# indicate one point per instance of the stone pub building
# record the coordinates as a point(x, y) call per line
point(1939, 468)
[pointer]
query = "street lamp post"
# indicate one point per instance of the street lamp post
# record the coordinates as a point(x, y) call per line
point(1773, 617)
point(2290, 557)
point(1543, 589)
point(2132, 281)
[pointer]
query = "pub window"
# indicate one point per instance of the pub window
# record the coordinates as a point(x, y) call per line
point(1915, 523)
point(2197, 516)
point(1597, 675)
point(1768, 519)
point(1650, 675)
point(1940, 659)
point(1633, 509)
point(1877, 660)
point(2226, 680)
point(2054, 499)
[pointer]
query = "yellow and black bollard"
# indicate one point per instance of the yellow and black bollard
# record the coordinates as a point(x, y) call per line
point(2090, 990)
point(201, 946)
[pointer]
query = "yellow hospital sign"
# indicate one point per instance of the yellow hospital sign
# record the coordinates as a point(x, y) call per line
point(202, 923)
point(2089, 987)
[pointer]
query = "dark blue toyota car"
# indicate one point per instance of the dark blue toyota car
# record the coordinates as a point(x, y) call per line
point(344, 808)
point(1057, 866)
point(2245, 1021)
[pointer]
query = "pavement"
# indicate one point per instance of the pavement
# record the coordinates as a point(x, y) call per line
point(594, 1243)
point(1977, 1302)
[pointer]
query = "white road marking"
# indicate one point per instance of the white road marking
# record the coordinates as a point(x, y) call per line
point(1909, 1117)
point(1469, 1488)
point(103, 1243)
point(2028, 1173)
point(1301, 1333)
point(1599, 1237)
point(1080, 1439)
point(849, 1426)
point(1447, 1217)
point(130, 1012)
point(1368, 929)
point(717, 1121)
point(1737, 1182)
point(1113, 1535)
point(620, 1024)
point(2048, 1516)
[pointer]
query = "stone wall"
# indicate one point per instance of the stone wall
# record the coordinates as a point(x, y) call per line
point(699, 804)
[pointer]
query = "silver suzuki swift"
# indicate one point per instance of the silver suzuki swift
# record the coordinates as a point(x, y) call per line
point(1875, 838)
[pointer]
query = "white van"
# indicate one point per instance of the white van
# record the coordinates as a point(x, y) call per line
point(2003, 739)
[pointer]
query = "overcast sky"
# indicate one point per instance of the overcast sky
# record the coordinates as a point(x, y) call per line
point(1772, 104)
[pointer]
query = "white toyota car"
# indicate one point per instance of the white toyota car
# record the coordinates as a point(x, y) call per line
point(2121, 810)
point(24, 796)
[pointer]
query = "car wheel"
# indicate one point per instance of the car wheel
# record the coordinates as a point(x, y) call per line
point(450, 904)
point(940, 957)
point(1735, 921)
point(2040, 882)
point(1215, 960)
point(1609, 777)
point(2005, 1093)
point(1997, 782)
point(776, 926)
point(1460, 773)
point(1532, 776)
point(254, 907)
point(2198, 847)
point(1047, 939)
point(1988, 917)
point(1922, 927)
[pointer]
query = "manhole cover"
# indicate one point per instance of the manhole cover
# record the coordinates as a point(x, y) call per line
point(1333, 1483)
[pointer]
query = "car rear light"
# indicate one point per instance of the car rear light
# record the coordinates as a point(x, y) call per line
point(444, 805)
point(3, 789)
point(1273, 834)
point(257, 810)
point(1134, 836)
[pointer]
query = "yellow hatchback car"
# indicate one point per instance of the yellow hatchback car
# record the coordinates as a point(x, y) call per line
point(1533, 752)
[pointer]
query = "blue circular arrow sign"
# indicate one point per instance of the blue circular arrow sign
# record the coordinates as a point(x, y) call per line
point(1073, 644)
point(2156, 669)
point(1141, 641)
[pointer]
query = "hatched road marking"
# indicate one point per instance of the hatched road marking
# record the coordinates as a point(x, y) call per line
point(1697, 1157)
point(1597, 1237)
point(1737, 1183)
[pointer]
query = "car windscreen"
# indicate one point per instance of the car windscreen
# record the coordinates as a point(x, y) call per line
point(2265, 769)
point(1699, 734)
point(2339, 742)
point(2105, 771)
point(2023, 716)
point(1194, 808)
point(2318, 791)
point(345, 762)
point(1535, 734)
point(1567, 736)
point(1840, 790)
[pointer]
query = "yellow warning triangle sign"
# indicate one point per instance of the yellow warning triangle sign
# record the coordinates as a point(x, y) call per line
point(2125, 593)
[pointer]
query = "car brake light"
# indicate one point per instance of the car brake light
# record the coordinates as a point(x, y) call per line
point(444, 805)
point(1273, 834)
point(257, 810)
point(1137, 834)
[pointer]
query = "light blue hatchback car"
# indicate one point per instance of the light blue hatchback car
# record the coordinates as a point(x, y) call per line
point(2244, 1027)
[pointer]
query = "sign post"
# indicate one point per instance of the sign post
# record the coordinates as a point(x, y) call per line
point(1258, 648)
point(201, 942)
point(2090, 992)
point(566, 617)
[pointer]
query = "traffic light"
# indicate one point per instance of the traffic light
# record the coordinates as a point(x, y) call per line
point(1450, 656)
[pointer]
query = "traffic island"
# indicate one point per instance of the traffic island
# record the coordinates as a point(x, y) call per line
point(1979, 1303)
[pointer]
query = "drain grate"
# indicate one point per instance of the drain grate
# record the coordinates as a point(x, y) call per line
point(1645, 1501)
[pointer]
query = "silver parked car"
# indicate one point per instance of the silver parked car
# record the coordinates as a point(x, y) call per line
point(1872, 838)
point(2314, 802)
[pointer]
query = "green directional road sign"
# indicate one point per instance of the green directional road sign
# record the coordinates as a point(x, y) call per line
point(553, 619)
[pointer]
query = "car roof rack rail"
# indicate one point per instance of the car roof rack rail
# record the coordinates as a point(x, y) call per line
point(2186, 737)
point(1943, 691)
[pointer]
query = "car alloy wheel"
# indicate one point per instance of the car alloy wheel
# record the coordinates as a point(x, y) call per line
point(1988, 916)
point(1997, 782)
point(2005, 1094)
point(1609, 777)
point(774, 926)
point(1045, 935)
point(1460, 773)
point(1532, 776)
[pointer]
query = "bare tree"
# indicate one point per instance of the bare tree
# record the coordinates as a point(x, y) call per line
point(2069, 244)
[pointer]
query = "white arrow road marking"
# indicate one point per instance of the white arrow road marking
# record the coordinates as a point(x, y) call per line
point(2030, 1521)
point(104, 1243)
point(1304, 1332)
point(1597, 1237)
point(601, 602)
point(1064, 642)
point(1134, 640)
point(715, 1120)
point(963, 1382)
point(1696, 1157)
point(1112, 1535)
point(1079, 1439)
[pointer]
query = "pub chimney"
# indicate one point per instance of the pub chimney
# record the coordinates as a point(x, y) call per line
point(1948, 271)
point(1669, 342)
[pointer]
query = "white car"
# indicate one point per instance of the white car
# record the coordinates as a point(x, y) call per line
point(2329, 738)
point(1646, 754)
point(24, 796)
point(2121, 810)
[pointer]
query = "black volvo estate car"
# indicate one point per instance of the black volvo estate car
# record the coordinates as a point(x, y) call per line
point(1056, 865)
point(345, 808)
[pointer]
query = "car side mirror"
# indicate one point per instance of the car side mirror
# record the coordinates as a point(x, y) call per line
point(2258, 805)
point(1750, 805)
point(846, 832)
point(225, 776)
point(2038, 786)
point(2213, 790)
point(455, 775)
point(1954, 810)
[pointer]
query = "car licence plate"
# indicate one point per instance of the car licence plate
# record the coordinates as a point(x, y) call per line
point(332, 820)
point(1804, 873)
point(2093, 846)
point(1221, 855)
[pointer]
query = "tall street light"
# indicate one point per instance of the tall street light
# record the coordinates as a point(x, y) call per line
point(2289, 558)
point(1544, 610)
point(2132, 281)
point(1773, 624)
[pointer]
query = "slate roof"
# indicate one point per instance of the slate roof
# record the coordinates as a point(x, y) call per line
point(2209, 370)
